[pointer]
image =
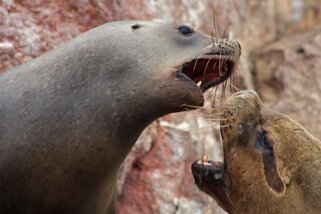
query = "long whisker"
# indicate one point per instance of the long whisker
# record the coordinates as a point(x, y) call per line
point(219, 31)
point(235, 88)
point(212, 119)
point(214, 23)
point(187, 106)
point(208, 96)
point(215, 64)
point(220, 63)
point(223, 89)
point(226, 32)
point(230, 83)
point(225, 126)
point(214, 97)
point(207, 115)
point(206, 66)
point(194, 67)
point(212, 38)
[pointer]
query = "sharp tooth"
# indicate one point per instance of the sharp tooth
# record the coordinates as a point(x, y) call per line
point(199, 83)
point(204, 159)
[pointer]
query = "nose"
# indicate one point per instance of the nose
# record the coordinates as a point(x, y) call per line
point(245, 95)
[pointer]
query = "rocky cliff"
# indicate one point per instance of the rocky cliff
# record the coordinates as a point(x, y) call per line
point(281, 55)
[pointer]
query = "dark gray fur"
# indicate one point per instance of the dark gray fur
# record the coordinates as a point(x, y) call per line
point(69, 118)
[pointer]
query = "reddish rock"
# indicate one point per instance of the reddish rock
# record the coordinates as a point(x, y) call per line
point(155, 177)
point(288, 77)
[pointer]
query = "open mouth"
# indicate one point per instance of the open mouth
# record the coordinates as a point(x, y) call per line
point(210, 69)
point(206, 171)
point(211, 177)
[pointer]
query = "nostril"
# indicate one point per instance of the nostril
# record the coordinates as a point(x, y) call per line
point(239, 46)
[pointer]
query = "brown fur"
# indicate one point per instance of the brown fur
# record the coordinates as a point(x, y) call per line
point(250, 184)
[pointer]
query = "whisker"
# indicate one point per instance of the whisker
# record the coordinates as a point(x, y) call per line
point(219, 31)
point(206, 127)
point(214, 64)
point(222, 86)
point(195, 66)
point(206, 67)
point(214, 23)
point(225, 126)
point(208, 96)
point(237, 75)
point(207, 115)
point(235, 88)
point(212, 38)
point(224, 89)
point(226, 32)
point(220, 63)
point(212, 119)
point(192, 106)
point(214, 97)
point(230, 83)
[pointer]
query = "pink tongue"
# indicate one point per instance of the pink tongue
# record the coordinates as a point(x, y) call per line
point(207, 164)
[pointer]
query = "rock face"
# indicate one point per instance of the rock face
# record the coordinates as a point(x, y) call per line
point(288, 77)
point(156, 176)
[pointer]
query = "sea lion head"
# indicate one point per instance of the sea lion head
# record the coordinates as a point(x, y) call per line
point(169, 60)
point(264, 159)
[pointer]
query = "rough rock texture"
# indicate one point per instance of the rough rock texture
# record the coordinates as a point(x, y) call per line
point(288, 77)
point(29, 28)
point(156, 176)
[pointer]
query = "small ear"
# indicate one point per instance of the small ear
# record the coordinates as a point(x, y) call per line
point(135, 26)
point(271, 175)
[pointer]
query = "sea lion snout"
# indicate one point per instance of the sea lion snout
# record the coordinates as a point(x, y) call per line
point(210, 176)
point(200, 63)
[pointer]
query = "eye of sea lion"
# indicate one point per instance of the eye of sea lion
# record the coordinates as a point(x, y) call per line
point(135, 26)
point(185, 30)
point(263, 143)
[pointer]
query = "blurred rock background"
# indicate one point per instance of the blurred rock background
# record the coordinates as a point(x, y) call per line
point(281, 59)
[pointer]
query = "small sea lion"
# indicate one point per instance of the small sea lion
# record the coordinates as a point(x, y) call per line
point(69, 117)
point(271, 163)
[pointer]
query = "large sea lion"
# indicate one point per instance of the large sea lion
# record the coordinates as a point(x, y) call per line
point(271, 163)
point(69, 118)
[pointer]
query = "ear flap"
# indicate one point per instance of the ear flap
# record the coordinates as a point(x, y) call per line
point(271, 175)
point(265, 145)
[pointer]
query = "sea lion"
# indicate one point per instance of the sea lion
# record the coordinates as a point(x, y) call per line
point(271, 163)
point(69, 117)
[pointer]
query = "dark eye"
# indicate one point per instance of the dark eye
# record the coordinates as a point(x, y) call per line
point(263, 142)
point(185, 30)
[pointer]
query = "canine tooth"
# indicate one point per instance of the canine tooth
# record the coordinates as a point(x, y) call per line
point(199, 83)
point(205, 159)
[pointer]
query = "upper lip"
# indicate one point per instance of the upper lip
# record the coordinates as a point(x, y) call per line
point(211, 68)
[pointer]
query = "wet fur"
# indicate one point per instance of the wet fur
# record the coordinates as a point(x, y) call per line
point(69, 118)
point(297, 156)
